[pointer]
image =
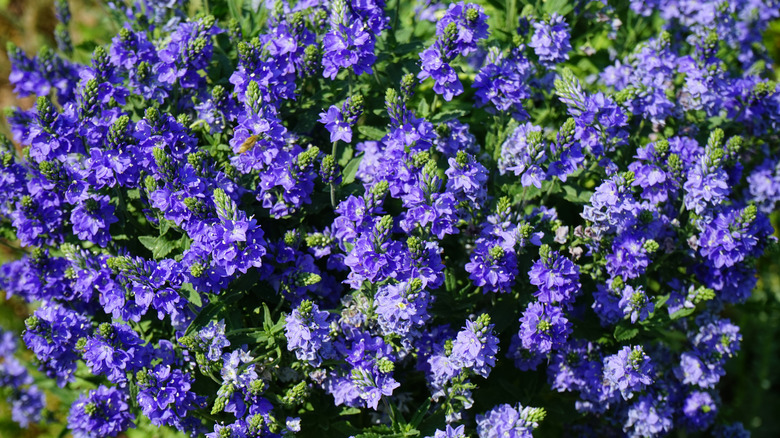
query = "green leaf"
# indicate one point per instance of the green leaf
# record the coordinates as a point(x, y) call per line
point(134, 194)
point(562, 7)
point(350, 411)
point(682, 313)
point(625, 332)
point(150, 242)
point(191, 294)
point(213, 309)
point(575, 197)
point(350, 170)
point(418, 416)
point(446, 116)
point(160, 246)
point(423, 108)
point(450, 282)
point(370, 132)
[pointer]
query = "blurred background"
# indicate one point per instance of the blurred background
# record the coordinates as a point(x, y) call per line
point(750, 391)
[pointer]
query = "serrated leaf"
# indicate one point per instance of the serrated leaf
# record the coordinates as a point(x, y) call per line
point(350, 170)
point(625, 333)
point(371, 132)
point(191, 294)
point(148, 241)
point(165, 225)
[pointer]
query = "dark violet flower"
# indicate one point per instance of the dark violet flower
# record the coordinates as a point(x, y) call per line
point(450, 432)
point(475, 346)
point(492, 266)
point(402, 307)
point(700, 410)
point(555, 276)
point(543, 328)
point(102, 412)
point(628, 371)
point(649, 416)
point(52, 333)
point(307, 331)
point(507, 421)
point(457, 33)
point(91, 219)
point(550, 40)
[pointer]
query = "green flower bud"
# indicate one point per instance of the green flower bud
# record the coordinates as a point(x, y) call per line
point(662, 147)
point(496, 252)
point(385, 365)
point(303, 279)
point(307, 157)
point(650, 246)
point(535, 415)
point(380, 189)
point(32, 323)
point(408, 83)
point(197, 270)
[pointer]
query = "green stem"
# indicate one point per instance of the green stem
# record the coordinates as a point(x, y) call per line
point(332, 186)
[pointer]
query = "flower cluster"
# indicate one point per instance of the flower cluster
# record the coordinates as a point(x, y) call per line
point(267, 221)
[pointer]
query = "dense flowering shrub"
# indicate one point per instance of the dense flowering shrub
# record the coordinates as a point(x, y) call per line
point(360, 218)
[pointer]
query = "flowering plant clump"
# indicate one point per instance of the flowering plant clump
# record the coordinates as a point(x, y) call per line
point(370, 218)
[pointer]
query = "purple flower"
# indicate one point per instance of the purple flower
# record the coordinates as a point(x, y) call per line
point(628, 371)
point(212, 339)
point(114, 351)
point(339, 121)
point(543, 328)
point(635, 304)
point(523, 153)
point(492, 266)
point(350, 40)
point(457, 33)
point(503, 82)
point(649, 416)
point(166, 398)
point(507, 421)
point(307, 331)
point(91, 219)
point(475, 346)
point(550, 40)
point(466, 178)
point(52, 333)
point(450, 432)
point(27, 405)
point(402, 307)
point(700, 410)
point(555, 276)
point(102, 412)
